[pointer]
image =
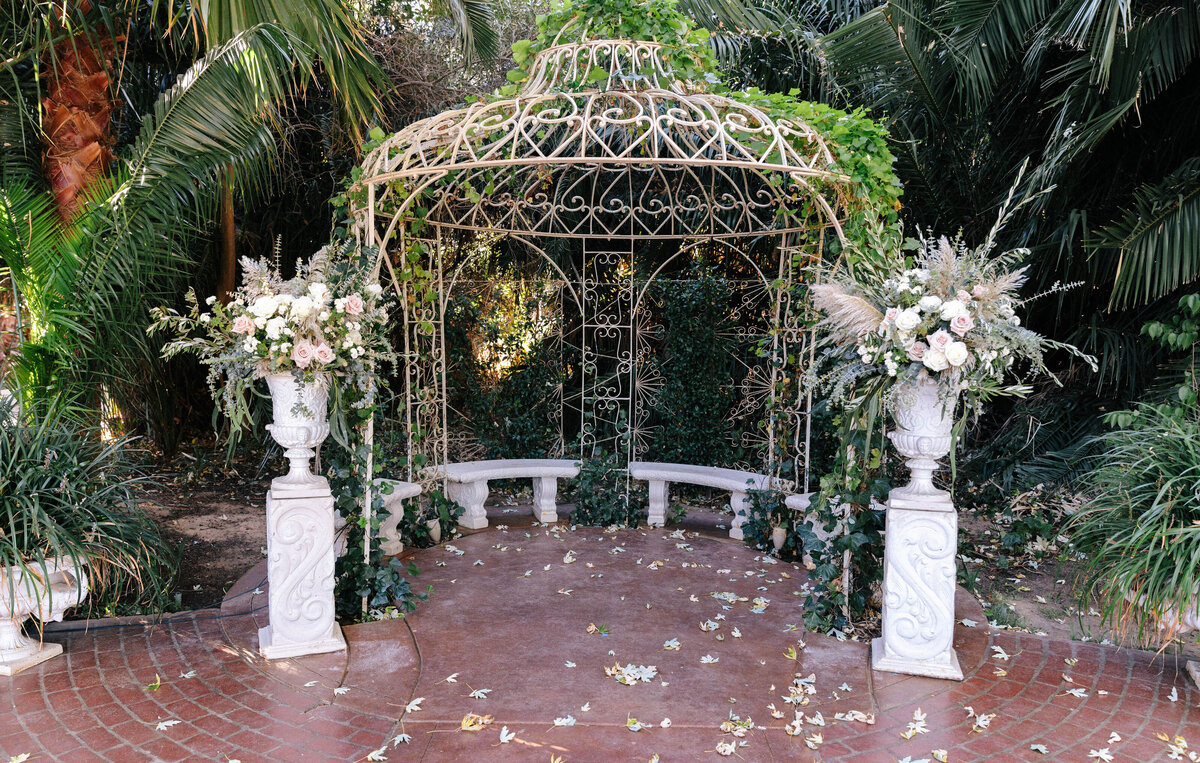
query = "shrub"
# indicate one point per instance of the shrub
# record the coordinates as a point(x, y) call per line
point(66, 492)
point(1139, 525)
point(603, 494)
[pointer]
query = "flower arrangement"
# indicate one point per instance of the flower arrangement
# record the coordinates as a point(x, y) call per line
point(325, 325)
point(950, 314)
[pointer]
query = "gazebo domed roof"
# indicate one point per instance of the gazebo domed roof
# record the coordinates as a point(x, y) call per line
point(604, 141)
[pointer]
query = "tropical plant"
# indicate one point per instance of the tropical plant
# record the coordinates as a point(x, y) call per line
point(1140, 527)
point(64, 492)
point(1099, 96)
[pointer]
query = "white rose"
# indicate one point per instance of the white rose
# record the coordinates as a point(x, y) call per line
point(317, 290)
point(935, 360)
point(957, 354)
point(264, 307)
point(302, 307)
point(275, 328)
point(251, 344)
point(952, 309)
point(210, 301)
point(374, 289)
point(259, 322)
point(930, 304)
point(908, 320)
point(284, 299)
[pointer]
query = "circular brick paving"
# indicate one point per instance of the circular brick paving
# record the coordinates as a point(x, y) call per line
point(119, 680)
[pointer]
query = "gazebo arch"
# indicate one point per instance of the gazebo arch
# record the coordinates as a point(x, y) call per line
point(604, 145)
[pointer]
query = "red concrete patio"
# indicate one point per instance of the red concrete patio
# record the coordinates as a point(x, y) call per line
point(510, 614)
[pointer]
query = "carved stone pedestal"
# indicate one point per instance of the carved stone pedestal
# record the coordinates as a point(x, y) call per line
point(918, 589)
point(921, 541)
point(300, 559)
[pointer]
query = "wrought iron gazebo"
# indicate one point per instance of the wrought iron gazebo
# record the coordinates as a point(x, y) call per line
point(603, 145)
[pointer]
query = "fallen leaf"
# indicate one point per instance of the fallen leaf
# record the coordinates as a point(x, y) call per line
point(506, 736)
point(189, 674)
point(415, 705)
point(341, 690)
point(1101, 754)
point(565, 721)
point(1039, 748)
point(672, 645)
point(164, 725)
point(474, 722)
point(401, 739)
point(568, 664)
point(379, 754)
point(154, 686)
point(451, 679)
point(708, 659)
point(480, 693)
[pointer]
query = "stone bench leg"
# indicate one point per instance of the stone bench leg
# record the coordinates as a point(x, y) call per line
point(389, 529)
point(545, 499)
point(741, 509)
point(470, 495)
point(658, 503)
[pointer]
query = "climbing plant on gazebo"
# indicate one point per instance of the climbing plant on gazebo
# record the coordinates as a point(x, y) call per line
point(617, 136)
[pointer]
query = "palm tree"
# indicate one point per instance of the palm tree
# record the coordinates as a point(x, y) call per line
point(1101, 97)
point(216, 125)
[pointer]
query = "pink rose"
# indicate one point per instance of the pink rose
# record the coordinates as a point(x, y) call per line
point(961, 324)
point(891, 314)
point(302, 354)
point(243, 324)
point(940, 339)
point(354, 304)
point(917, 351)
point(978, 290)
point(324, 353)
point(963, 296)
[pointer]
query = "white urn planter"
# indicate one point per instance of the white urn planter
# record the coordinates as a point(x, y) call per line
point(1170, 620)
point(301, 424)
point(921, 541)
point(42, 592)
point(778, 537)
point(301, 542)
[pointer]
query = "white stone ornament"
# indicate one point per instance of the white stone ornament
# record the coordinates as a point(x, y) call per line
point(45, 593)
point(301, 542)
point(921, 542)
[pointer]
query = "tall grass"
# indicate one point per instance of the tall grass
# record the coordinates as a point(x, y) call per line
point(66, 492)
point(1141, 524)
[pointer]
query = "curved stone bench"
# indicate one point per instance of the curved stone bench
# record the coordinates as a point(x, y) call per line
point(389, 529)
point(467, 484)
point(738, 483)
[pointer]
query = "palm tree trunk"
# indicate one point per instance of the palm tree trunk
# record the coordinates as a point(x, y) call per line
point(228, 270)
point(76, 114)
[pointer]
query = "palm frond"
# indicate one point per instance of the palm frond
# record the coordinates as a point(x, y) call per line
point(1156, 239)
point(989, 37)
point(324, 29)
point(476, 25)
